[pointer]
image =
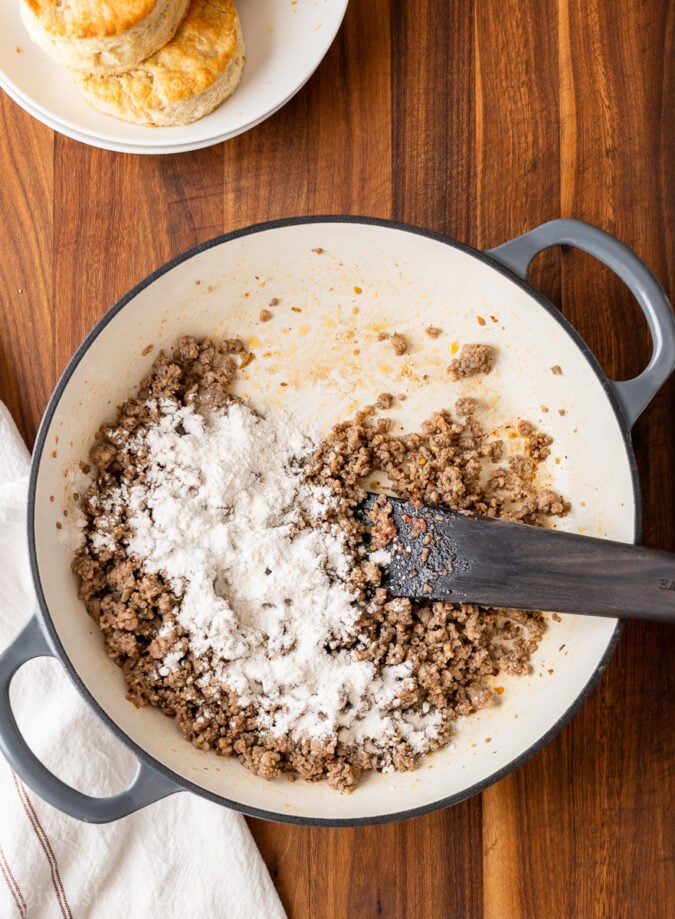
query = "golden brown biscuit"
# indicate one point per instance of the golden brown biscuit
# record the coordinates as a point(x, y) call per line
point(183, 81)
point(102, 36)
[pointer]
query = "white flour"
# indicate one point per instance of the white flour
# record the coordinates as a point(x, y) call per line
point(216, 515)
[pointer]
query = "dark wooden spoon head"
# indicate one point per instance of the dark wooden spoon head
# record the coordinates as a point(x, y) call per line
point(436, 553)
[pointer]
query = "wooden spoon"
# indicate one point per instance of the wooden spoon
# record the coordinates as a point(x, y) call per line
point(440, 554)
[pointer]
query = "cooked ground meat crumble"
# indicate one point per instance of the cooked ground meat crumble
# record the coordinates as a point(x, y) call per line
point(472, 359)
point(399, 343)
point(454, 651)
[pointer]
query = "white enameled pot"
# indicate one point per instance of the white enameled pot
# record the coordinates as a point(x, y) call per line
point(339, 282)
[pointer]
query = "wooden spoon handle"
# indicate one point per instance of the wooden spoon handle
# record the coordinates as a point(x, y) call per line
point(533, 568)
point(443, 555)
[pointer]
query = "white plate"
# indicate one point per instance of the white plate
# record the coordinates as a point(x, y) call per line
point(285, 42)
point(93, 141)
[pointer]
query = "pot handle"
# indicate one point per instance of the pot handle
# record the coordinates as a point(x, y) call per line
point(633, 395)
point(147, 786)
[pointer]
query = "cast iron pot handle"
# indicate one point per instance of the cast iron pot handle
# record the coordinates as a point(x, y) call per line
point(633, 395)
point(147, 786)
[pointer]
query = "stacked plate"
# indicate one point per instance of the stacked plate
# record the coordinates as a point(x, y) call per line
point(285, 42)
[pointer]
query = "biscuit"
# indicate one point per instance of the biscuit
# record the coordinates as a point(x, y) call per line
point(188, 78)
point(102, 36)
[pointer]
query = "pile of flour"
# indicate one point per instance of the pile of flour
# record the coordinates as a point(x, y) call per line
point(222, 514)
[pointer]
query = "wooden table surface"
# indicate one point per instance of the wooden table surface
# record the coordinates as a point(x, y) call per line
point(478, 119)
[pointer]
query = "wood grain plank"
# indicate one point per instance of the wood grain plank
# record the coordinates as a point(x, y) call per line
point(581, 808)
point(26, 307)
point(517, 135)
point(349, 141)
point(417, 869)
point(304, 159)
point(579, 831)
point(517, 129)
point(627, 58)
point(434, 117)
point(265, 170)
point(117, 218)
point(607, 177)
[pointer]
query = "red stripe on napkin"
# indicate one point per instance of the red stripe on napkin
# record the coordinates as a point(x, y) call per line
point(43, 839)
point(12, 884)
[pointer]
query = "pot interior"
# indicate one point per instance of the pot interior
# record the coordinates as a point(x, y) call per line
point(339, 284)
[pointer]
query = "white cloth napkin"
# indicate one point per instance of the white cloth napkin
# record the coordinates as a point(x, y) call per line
point(180, 857)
